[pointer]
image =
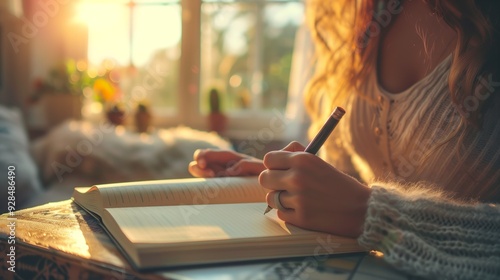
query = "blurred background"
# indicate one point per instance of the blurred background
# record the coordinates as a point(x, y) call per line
point(149, 71)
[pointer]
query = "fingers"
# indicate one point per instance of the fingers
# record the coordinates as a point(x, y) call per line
point(280, 160)
point(294, 146)
point(210, 163)
point(215, 163)
point(277, 160)
point(284, 199)
point(288, 215)
point(195, 170)
point(222, 163)
point(273, 179)
point(206, 157)
point(246, 167)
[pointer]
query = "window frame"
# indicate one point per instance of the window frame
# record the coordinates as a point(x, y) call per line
point(242, 124)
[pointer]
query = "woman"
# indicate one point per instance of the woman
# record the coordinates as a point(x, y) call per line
point(419, 80)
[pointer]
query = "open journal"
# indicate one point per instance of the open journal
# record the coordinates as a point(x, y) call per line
point(169, 223)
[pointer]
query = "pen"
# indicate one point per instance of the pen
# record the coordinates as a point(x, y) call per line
point(322, 135)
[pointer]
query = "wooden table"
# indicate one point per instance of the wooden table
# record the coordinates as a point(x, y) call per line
point(61, 241)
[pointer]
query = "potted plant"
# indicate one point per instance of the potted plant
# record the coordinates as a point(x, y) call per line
point(61, 94)
point(217, 120)
point(116, 114)
point(143, 118)
point(57, 98)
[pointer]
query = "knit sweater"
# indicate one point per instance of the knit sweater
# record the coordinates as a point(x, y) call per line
point(395, 140)
point(427, 235)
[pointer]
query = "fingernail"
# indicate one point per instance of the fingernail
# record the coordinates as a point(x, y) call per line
point(195, 154)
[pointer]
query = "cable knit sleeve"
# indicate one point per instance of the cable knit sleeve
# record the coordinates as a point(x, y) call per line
point(426, 234)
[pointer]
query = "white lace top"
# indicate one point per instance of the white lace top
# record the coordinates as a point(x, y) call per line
point(415, 136)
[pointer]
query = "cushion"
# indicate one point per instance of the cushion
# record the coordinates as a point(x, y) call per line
point(107, 154)
point(15, 155)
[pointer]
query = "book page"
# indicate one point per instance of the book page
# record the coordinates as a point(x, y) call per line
point(191, 191)
point(160, 236)
point(177, 224)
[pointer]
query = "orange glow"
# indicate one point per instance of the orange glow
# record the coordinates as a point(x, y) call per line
point(81, 65)
point(108, 30)
point(235, 80)
point(104, 89)
point(376, 254)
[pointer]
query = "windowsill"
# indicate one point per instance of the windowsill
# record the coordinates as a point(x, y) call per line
point(251, 132)
point(245, 125)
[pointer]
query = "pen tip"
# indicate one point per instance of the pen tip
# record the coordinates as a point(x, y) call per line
point(269, 208)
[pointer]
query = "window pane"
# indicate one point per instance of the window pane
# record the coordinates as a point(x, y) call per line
point(156, 53)
point(142, 39)
point(108, 36)
point(246, 52)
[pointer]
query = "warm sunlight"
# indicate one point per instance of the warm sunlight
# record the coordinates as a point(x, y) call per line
point(154, 28)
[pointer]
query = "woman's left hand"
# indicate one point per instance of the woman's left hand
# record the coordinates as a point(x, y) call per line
point(317, 195)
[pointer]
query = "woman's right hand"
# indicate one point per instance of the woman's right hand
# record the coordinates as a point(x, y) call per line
point(224, 163)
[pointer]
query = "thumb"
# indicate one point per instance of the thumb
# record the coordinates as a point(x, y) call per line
point(294, 146)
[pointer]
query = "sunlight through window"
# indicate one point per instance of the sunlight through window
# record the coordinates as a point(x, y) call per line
point(245, 50)
point(247, 53)
point(143, 39)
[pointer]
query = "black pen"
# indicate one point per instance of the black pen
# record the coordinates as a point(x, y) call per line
point(322, 135)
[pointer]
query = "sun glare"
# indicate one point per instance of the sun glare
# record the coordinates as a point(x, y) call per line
point(155, 28)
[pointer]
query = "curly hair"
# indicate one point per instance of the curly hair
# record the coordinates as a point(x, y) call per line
point(344, 52)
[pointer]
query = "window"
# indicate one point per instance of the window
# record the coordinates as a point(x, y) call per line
point(243, 48)
point(141, 41)
point(247, 51)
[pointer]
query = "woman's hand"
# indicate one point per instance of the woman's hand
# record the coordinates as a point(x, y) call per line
point(224, 163)
point(317, 195)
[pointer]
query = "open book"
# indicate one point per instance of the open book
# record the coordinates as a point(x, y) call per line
point(199, 221)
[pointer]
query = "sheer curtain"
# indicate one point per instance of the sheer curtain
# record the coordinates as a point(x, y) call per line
point(301, 71)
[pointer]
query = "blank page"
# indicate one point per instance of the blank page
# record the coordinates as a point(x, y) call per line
point(175, 224)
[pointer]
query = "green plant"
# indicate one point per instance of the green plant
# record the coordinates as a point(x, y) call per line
point(214, 101)
point(76, 77)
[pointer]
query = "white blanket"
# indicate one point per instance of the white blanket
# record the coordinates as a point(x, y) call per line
point(113, 154)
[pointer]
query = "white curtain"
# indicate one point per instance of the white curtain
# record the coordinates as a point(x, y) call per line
point(301, 71)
